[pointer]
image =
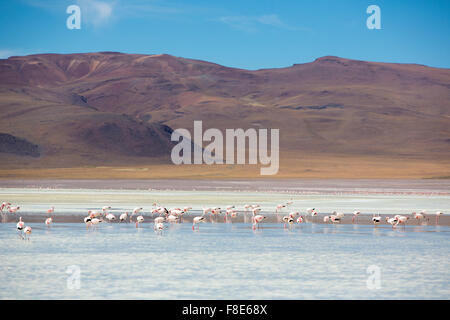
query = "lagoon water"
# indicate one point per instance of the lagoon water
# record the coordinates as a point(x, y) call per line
point(222, 260)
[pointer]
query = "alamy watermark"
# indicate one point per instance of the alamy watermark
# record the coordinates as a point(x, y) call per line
point(74, 280)
point(374, 279)
point(74, 20)
point(235, 147)
point(374, 20)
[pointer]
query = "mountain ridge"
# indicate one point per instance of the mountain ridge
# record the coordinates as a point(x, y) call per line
point(330, 106)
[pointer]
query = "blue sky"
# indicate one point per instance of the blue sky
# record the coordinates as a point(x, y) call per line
point(243, 34)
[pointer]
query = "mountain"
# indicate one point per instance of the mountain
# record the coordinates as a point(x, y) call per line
point(115, 109)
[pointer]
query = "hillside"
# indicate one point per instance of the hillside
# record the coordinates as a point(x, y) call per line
point(118, 110)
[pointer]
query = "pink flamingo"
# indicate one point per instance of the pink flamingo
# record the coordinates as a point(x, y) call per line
point(300, 219)
point(257, 219)
point(13, 209)
point(48, 221)
point(419, 216)
point(401, 219)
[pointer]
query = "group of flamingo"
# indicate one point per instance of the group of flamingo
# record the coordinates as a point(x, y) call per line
point(175, 215)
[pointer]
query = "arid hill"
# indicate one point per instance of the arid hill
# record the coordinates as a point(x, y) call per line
point(114, 109)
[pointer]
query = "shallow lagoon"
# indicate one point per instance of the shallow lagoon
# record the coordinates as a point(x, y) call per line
point(225, 261)
point(222, 260)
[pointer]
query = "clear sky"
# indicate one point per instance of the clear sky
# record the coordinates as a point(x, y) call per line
point(245, 34)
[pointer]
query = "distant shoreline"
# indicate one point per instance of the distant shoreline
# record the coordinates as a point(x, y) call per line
point(294, 186)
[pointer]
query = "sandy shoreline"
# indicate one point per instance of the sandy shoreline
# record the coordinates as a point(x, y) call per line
point(295, 186)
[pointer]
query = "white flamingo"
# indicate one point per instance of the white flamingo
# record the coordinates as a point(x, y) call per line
point(27, 232)
point(123, 217)
point(95, 222)
point(159, 220)
point(20, 225)
point(392, 221)
point(172, 218)
point(110, 217)
point(196, 221)
point(88, 221)
point(139, 220)
point(356, 213)
point(376, 219)
point(159, 227)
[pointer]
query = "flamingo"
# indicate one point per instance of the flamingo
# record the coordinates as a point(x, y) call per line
point(401, 219)
point(94, 214)
point(338, 214)
point(206, 210)
point(172, 219)
point(438, 214)
point(196, 221)
point(13, 209)
point(51, 210)
point(137, 210)
point(336, 218)
point(280, 207)
point(106, 208)
point(285, 220)
point(392, 221)
point(326, 219)
point(48, 221)
point(229, 212)
point(159, 220)
point(300, 219)
point(294, 214)
point(123, 217)
point(95, 222)
point(256, 211)
point(312, 212)
point(4, 205)
point(139, 219)
point(419, 216)
point(158, 226)
point(110, 217)
point(88, 222)
point(289, 220)
point(20, 225)
point(257, 219)
point(376, 219)
point(186, 209)
point(27, 232)
point(355, 216)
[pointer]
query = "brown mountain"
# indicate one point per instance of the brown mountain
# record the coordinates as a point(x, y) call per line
point(114, 109)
